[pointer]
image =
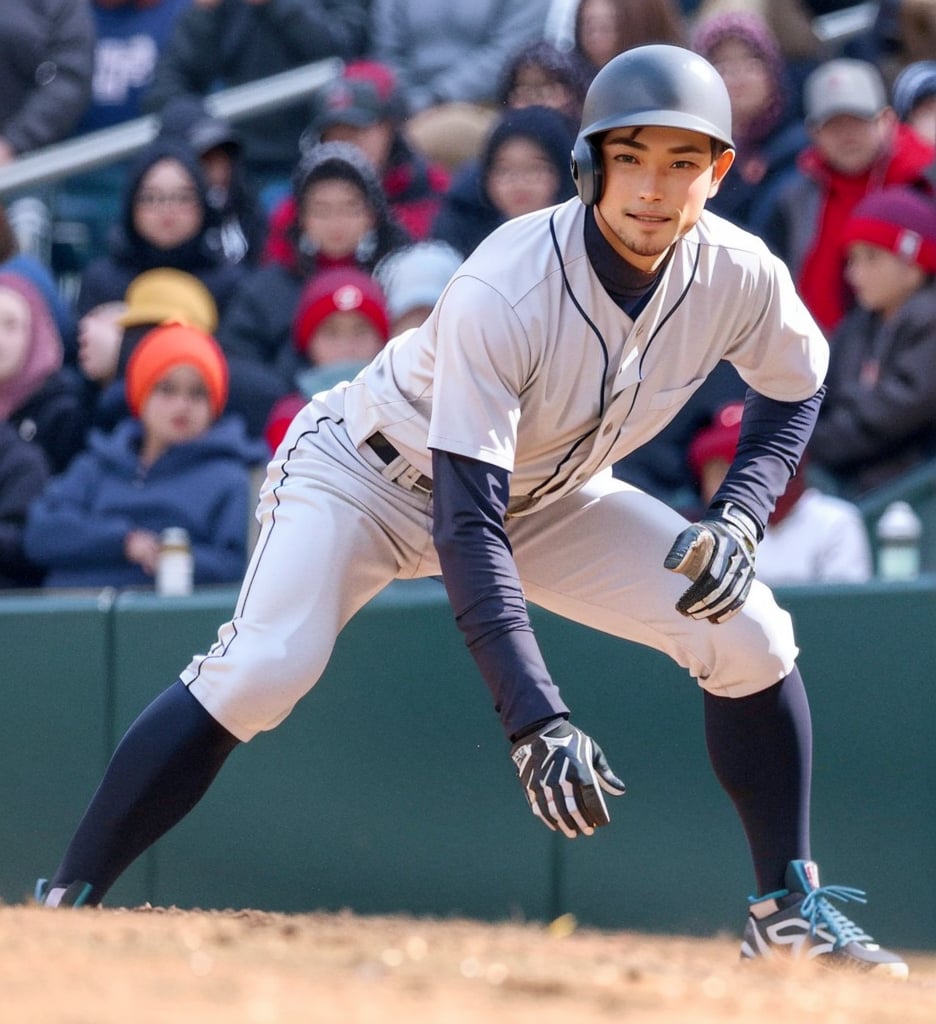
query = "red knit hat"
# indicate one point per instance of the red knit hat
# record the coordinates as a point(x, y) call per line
point(163, 349)
point(718, 440)
point(899, 219)
point(339, 290)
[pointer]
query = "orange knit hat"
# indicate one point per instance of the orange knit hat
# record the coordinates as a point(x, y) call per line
point(163, 349)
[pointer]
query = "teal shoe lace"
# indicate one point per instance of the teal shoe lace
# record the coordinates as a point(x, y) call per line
point(817, 909)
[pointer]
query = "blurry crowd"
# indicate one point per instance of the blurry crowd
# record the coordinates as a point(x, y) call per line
point(163, 317)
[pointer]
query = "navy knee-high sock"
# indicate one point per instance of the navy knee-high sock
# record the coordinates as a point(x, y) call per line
point(761, 749)
point(161, 768)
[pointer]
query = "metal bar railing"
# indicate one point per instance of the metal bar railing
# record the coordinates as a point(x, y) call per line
point(95, 149)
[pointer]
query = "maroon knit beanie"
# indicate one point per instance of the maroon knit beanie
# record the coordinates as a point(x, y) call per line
point(899, 219)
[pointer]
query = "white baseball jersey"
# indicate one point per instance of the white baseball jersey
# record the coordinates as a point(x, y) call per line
point(527, 363)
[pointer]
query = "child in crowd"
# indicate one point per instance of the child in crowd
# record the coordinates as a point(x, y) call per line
point(174, 462)
point(40, 398)
point(109, 333)
point(340, 325)
point(878, 418)
point(811, 537)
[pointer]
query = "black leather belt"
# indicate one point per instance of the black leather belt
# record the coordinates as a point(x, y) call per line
point(385, 451)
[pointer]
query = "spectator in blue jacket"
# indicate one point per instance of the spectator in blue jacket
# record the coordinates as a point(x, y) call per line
point(175, 462)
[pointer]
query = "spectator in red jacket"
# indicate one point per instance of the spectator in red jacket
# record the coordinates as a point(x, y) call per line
point(858, 145)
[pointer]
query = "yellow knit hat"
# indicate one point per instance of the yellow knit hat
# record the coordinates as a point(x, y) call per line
point(165, 294)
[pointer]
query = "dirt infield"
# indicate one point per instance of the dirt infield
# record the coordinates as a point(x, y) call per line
point(151, 966)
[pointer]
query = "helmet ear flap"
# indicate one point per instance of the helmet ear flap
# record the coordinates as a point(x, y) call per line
point(586, 170)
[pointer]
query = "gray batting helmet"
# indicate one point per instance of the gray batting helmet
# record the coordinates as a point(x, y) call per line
point(649, 85)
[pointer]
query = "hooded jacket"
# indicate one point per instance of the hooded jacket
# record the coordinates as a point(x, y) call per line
point(76, 529)
point(106, 278)
point(468, 214)
point(258, 324)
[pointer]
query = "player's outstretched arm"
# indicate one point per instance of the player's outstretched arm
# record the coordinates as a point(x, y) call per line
point(563, 772)
point(717, 554)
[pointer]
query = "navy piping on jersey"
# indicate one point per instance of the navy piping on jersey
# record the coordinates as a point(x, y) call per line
point(604, 348)
point(218, 650)
point(660, 326)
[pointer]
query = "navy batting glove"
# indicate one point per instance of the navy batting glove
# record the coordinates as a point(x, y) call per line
point(717, 554)
point(563, 772)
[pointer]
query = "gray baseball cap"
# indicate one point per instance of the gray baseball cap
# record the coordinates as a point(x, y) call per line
point(843, 86)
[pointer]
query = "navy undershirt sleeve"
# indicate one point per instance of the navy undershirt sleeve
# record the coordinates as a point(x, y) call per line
point(773, 438)
point(469, 506)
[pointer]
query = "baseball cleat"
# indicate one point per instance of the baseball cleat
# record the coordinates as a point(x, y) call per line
point(73, 895)
point(800, 922)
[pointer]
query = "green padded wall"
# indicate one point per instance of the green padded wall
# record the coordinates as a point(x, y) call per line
point(389, 788)
point(54, 730)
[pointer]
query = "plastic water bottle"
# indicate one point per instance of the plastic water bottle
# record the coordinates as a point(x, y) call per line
point(175, 570)
point(898, 533)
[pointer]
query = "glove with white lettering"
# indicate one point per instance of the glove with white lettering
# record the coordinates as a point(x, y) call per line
point(717, 554)
point(563, 772)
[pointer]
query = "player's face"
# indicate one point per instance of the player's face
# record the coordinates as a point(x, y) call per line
point(655, 186)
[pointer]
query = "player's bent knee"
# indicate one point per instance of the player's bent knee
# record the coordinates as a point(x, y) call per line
point(753, 650)
point(250, 695)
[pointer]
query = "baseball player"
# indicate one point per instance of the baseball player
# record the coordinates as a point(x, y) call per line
point(478, 447)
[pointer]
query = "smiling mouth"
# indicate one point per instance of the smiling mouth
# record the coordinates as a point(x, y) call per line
point(648, 218)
